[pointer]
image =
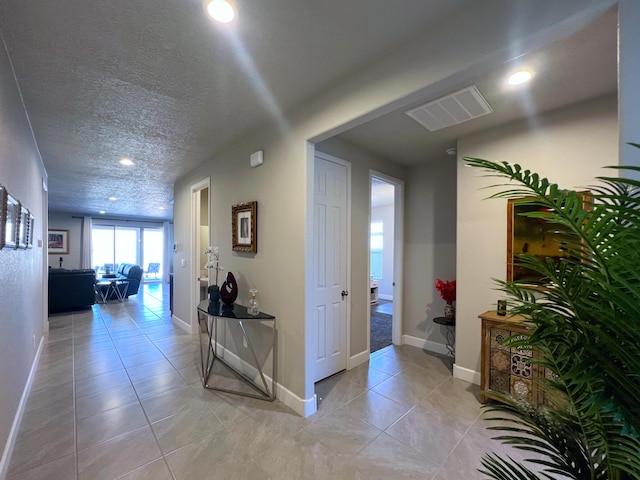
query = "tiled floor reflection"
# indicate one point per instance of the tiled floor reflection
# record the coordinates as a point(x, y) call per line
point(117, 395)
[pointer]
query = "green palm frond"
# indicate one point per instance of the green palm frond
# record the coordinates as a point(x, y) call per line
point(586, 318)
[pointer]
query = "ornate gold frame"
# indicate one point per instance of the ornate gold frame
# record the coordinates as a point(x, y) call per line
point(244, 227)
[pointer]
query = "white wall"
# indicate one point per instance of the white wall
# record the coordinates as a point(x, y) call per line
point(385, 215)
point(569, 147)
point(23, 294)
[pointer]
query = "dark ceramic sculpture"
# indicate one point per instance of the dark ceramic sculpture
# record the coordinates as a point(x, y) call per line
point(229, 289)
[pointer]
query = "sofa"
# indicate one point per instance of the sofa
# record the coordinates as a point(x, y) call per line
point(126, 271)
point(71, 289)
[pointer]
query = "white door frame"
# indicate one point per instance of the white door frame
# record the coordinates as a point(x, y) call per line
point(309, 268)
point(398, 252)
point(196, 248)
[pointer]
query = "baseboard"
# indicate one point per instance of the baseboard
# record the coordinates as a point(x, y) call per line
point(427, 345)
point(358, 359)
point(302, 406)
point(382, 296)
point(17, 419)
point(466, 374)
point(182, 324)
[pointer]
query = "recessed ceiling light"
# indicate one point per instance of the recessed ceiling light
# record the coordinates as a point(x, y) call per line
point(126, 162)
point(221, 11)
point(112, 198)
point(102, 212)
point(160, 208)
point(520, 77)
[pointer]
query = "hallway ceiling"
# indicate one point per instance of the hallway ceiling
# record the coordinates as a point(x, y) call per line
point(159, 83)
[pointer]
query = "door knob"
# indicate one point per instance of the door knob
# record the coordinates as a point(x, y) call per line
point(344, 293)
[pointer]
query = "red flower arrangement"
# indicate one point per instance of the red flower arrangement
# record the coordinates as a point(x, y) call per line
point(447, 290)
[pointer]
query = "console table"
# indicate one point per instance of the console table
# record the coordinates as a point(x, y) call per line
point(208, 317)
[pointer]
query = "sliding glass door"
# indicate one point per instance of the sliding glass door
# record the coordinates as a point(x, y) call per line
point(152, 253)
point(113, 245)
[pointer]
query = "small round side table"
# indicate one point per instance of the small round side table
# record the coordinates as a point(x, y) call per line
point(450, 323)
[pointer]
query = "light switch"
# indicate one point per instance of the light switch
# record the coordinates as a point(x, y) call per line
point(183, 263)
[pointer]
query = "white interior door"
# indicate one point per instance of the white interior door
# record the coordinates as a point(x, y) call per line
point(330, 254)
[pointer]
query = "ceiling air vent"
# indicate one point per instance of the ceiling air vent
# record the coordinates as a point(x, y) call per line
point(463, 105)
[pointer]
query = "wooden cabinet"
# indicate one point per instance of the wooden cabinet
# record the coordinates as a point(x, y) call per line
point(506, 370)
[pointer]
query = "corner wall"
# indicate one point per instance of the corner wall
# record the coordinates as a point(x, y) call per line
point(21, 271)
point(430, 247)
point(569, 147)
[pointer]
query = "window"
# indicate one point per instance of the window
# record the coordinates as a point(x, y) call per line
point(376, 250)
point(113, 245)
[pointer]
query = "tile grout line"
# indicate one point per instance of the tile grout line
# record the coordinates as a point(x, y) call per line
point(144, 412)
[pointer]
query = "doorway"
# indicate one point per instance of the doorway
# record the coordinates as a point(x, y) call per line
point(385, 261)
point(200, 240)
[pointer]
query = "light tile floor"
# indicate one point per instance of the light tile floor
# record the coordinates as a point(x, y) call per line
point(117, 395)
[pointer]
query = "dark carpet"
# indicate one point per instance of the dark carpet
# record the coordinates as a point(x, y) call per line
point(380, 330)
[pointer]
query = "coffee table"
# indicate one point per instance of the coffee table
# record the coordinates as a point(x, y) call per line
point(106, 288)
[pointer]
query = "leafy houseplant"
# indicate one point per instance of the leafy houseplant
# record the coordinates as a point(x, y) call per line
point(586, 317)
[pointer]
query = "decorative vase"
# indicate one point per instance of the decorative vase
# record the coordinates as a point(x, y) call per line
point(214, 307)
point(229, 289)
point(214, 293)
point(449, 311)
point(252, 308)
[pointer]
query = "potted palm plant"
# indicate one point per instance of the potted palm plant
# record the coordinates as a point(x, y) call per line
point(586, 317)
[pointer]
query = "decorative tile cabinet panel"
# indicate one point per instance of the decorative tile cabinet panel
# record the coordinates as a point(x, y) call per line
point(504, 369)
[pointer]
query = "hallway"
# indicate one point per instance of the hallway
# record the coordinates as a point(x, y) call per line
point(118, 395)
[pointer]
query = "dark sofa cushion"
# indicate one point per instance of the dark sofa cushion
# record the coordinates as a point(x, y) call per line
point(132, 273)
point(71, 289)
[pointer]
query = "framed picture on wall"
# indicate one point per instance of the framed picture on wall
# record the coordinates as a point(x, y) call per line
point(3, 214)
point(530, 235)
point(22, 232)
point(244, 227)
point(11, 221)
point(58, 241)
point(31, 228)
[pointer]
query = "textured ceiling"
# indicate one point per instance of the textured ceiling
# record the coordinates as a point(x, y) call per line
point(158, 82)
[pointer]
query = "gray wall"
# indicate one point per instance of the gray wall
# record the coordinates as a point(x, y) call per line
point(66, 221)
point(430, 246)
point(476, 39)
point(361, 164)
point(22, 311)
point(570, 147)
